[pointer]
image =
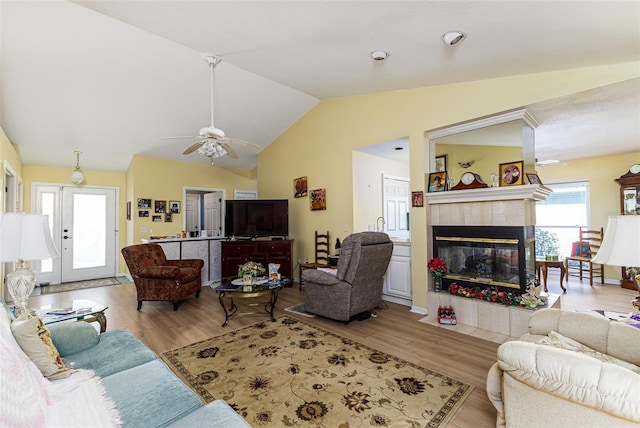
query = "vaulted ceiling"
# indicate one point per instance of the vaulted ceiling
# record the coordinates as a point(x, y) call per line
point(112, 78)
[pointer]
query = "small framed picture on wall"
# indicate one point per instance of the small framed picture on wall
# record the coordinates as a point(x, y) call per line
point(511, 173)
point(160, 207)
point(300, 187)
point(318, 199)
point(417, 199)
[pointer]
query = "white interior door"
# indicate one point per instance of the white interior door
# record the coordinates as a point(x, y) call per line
point(192, 212)
point(84, 226)
point(212, 211)
point(396, 206)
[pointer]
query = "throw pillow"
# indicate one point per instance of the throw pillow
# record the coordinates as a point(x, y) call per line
point(35, 340)
point(557, 340)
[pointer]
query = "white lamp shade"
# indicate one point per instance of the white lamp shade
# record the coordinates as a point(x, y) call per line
point(25, 237)
point(621, 244)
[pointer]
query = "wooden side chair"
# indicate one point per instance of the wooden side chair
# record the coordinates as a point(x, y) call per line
point(321, 255)
point(579, 263)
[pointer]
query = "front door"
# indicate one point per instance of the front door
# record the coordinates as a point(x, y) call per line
point(83, 222)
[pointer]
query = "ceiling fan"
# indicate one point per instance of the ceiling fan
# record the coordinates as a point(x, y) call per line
point(550, 162)
point(211, 141)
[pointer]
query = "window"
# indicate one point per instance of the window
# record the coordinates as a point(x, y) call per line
point(562, 214)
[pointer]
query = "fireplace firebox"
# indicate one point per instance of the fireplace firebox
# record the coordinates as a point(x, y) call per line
point(487, 256)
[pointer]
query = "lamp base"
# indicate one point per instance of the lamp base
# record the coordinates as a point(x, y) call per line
point(21, 283)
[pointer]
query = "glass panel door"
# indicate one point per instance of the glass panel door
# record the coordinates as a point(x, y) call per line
point(88, 233)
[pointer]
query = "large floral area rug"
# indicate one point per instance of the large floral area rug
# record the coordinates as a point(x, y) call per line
point(290, 373)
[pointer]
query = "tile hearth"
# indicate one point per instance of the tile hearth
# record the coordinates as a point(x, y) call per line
point(486, 320)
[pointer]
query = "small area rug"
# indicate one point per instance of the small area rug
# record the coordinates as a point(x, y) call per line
point(290, 373)
point(299, 309)
point(79, 285)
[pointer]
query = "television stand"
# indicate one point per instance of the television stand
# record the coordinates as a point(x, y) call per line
point(236, 253)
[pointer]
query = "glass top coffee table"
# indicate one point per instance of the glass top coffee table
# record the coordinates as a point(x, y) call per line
point(231, 291)
point(81, 310)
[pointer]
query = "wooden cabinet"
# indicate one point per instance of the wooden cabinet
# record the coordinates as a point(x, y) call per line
point(235, 253)
point(629, 205)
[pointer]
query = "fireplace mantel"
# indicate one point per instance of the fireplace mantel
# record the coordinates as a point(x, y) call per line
point(535, 192)
point(492, 206)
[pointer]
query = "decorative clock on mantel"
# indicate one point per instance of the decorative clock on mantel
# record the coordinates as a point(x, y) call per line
point(629, 205)
point(470, 180)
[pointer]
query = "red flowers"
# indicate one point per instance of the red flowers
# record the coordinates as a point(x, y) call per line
point(437, 266)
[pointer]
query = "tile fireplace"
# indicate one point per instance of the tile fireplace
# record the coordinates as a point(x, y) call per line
point(486, 256)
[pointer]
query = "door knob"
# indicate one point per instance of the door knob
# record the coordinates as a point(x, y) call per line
point(66, 237)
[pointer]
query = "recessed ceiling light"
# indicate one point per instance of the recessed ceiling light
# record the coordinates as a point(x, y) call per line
point(379, 55)
point(452, 38)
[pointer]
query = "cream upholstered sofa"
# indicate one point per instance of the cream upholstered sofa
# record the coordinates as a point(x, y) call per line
point(550, 377)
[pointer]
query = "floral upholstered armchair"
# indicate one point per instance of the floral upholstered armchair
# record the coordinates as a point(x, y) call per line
point(157, 278)
point(357, 286)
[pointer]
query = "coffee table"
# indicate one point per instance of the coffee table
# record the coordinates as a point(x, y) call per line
point(232, 291)
point(543, 265)
point(80, 310)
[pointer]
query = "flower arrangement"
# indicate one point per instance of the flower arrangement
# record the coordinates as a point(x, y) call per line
point(251, 268)
point(437, 267)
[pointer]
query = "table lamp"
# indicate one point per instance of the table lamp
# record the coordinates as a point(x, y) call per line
point(621, 247)
point(24, 237)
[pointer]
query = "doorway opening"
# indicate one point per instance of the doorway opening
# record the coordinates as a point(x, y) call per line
point(203, 211)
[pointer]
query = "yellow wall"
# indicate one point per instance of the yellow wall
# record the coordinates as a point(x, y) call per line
point(156, 179)
point(319, 145)
point(487, 159)
point(40, 174)
point(604, 193)
point(9, 153)
point(160, 179)
point(367, 189)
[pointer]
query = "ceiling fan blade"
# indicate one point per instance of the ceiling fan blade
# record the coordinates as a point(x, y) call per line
point(192, 148)
point(179, 138)
point(246, 143)
point(230, 152)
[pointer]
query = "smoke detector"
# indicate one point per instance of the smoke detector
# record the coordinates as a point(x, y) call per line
point(379, 55)
point(452, 38)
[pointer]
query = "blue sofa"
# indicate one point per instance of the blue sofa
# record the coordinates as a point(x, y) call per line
point(141, 388)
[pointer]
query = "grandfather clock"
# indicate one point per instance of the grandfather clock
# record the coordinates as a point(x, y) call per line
point(629, 205)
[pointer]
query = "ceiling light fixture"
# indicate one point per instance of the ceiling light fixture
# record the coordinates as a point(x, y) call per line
point(77, 176)
point(452, 38)
point(211, 150)
point(379, 55)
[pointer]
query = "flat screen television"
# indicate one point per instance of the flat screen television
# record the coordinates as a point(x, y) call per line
point(257, 218)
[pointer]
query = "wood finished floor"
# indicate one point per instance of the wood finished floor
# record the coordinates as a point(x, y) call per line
point(395, 330)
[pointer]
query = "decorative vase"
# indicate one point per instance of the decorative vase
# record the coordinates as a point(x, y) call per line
point(247, 282)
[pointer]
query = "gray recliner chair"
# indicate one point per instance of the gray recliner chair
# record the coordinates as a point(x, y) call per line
point(357, 287)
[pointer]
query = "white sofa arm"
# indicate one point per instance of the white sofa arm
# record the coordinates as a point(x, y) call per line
point(572, 376)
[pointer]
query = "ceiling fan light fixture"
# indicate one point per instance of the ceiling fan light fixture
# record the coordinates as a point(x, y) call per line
point(452, 38)
point(77, 176)
point(212, 150)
